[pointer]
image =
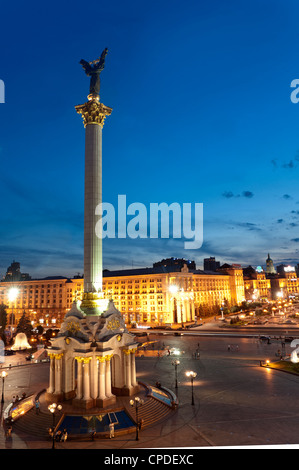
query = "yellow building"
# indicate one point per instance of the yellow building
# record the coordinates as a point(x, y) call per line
point(257, 287)
point(159, 295)
point(286, 285)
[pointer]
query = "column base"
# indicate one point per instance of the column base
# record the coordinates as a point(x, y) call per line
point(83, 404)
point(54, 397)
point(126, 391)
point(104, 402)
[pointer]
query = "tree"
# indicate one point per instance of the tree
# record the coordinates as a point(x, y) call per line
point(3, 318)
point(24, 325)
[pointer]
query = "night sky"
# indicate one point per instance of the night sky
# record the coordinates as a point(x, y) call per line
point(200, 92)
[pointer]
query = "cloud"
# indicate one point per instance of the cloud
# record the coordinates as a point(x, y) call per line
point(291, 164)
point(230, 194)
point(250, 226)
point(248, 194)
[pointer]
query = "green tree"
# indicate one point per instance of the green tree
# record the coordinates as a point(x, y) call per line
point(24, 325)
point(3, 318)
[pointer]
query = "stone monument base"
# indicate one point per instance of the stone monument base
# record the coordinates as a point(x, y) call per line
point(54, 397)
point(125, 391)
point(92, 403)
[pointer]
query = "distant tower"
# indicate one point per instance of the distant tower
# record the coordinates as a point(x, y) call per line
point(270, 266)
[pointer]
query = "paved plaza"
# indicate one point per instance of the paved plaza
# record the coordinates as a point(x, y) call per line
point(236, 402)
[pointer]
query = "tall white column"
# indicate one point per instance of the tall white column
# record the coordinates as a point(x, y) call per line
point(192, 310)
point(79, 378)
point(86, 378)
point(108, 376)
point(58, 373)
point(94, 114)
point(51, 388)
point(127, 359)
point(93, 197)
point(102, 374)
point(133, 368)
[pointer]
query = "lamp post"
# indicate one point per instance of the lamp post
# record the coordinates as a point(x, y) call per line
point(192, 376)
point(12, 296)
point(137, 402)
point(52, 408)
point(3, 375)
point(175, 364)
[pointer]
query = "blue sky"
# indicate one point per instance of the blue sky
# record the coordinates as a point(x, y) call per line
point(200, 92)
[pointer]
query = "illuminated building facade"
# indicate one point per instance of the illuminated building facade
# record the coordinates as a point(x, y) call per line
point(160, 295)
point(286, 285)
point(257, 287)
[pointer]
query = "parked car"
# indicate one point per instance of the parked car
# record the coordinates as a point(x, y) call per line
point(9, 352)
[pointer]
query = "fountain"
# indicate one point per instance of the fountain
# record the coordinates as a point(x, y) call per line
point(20, 342)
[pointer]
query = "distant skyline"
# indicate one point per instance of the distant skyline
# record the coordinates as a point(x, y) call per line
point(201, 103)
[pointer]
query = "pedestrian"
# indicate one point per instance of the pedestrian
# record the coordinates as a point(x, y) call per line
point(37, 406)
point(64, 435)
point(228, 347)
point(140, 424)
point(111, 428)
point(8, 432)
point(58, 436)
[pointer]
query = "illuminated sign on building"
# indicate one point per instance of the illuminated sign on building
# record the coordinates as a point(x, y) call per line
point(289, 269)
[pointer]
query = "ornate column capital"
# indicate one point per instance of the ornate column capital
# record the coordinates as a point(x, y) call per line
point(108, 357)
point(129, 351)
point(101, 358)
point(79, 358)
point(93, 112)
point(55, 355)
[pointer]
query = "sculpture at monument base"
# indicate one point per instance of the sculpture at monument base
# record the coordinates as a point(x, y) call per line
point(92, 360)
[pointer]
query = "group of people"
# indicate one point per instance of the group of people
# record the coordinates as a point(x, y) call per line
point(60, 436)
point(16, 398)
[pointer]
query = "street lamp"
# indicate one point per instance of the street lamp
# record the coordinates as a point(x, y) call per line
point(53, 408)
point(137, 402)
point(3, 375)
point(192, 376)
point(12, 296)
point(175, 364)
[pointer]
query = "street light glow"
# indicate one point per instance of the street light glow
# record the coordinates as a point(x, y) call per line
point(13, 293)
point(173, 288)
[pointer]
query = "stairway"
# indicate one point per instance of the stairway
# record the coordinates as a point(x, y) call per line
point(151, 412)
point(35, 425)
